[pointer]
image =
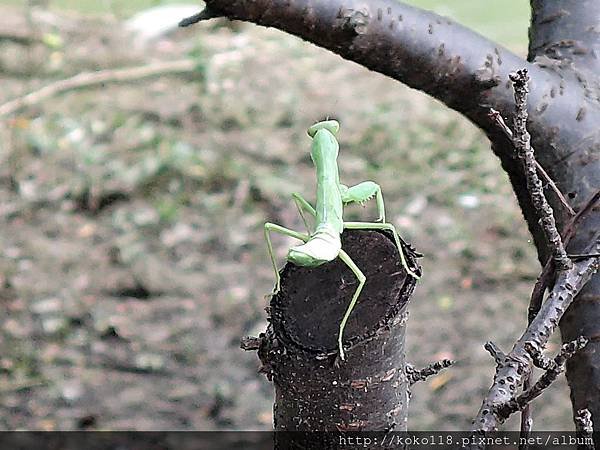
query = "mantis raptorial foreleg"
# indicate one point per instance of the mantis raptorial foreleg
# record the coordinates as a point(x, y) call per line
point(303, 206)
point(383, 226)
point(269, 227)
point(361, 282)
point(362, 192)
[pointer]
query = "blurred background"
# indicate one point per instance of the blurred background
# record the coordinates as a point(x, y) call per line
point(132, 203)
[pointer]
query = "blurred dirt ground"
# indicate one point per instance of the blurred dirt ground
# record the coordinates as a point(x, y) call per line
point(132, 251)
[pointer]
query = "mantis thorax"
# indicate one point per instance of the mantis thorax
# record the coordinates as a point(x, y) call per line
point(329, 199)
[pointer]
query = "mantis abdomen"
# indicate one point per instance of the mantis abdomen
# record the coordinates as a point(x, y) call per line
point(323, 246)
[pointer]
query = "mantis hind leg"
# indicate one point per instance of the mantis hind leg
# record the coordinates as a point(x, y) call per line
point(303, 206)
point(363, 192)
point(269, 227)
point(383, 226)
point(361, 282)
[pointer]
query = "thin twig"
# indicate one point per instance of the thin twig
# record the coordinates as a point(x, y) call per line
point(91, 79)
point(548, 377)
point(414, 375)
point(495, 351)
point(522, 142)
point(547, 276)
point(585, 430)
point(546, 279)
point(554, 187)
point(511, 373)
point(497, 118)
point(553, 369)
point(526, 418)
point(584, 256)
point(250, 343)
point(205, 14)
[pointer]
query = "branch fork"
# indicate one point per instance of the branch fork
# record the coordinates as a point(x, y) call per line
point(513, 371)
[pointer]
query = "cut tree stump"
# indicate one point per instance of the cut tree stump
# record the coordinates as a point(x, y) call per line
point(314, 390)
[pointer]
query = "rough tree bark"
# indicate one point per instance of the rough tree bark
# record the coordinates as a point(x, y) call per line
point(469, 73)
point(313, 390)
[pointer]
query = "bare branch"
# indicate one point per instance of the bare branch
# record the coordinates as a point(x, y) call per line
point(415, 376)
point(526, 427)
point(251, 343)
point(513, 371)
point(585, 429)
point(92, 79)
point(584, 256)
point(522, 142)
point(554, 369)
point(495, 351)
point(553, 186)
point(547, 276)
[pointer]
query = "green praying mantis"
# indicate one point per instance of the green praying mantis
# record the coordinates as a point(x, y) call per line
point(322, 243)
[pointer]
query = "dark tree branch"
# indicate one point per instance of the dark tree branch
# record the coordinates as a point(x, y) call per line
point(205, 14)
point(511, 373)
point(415, 376)
point(526, 417)
point(251, 343)
point(522, 142)
point(514, 370)
point(419, 48)
point(554, 369)
point(546, 278)
point(566, 32)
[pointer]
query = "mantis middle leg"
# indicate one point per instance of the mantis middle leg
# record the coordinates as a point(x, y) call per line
point(303, 206)
point(269, 227)
point(383, 226)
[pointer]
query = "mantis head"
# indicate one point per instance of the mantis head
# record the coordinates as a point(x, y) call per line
point(330, 125)
point(325, 146)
